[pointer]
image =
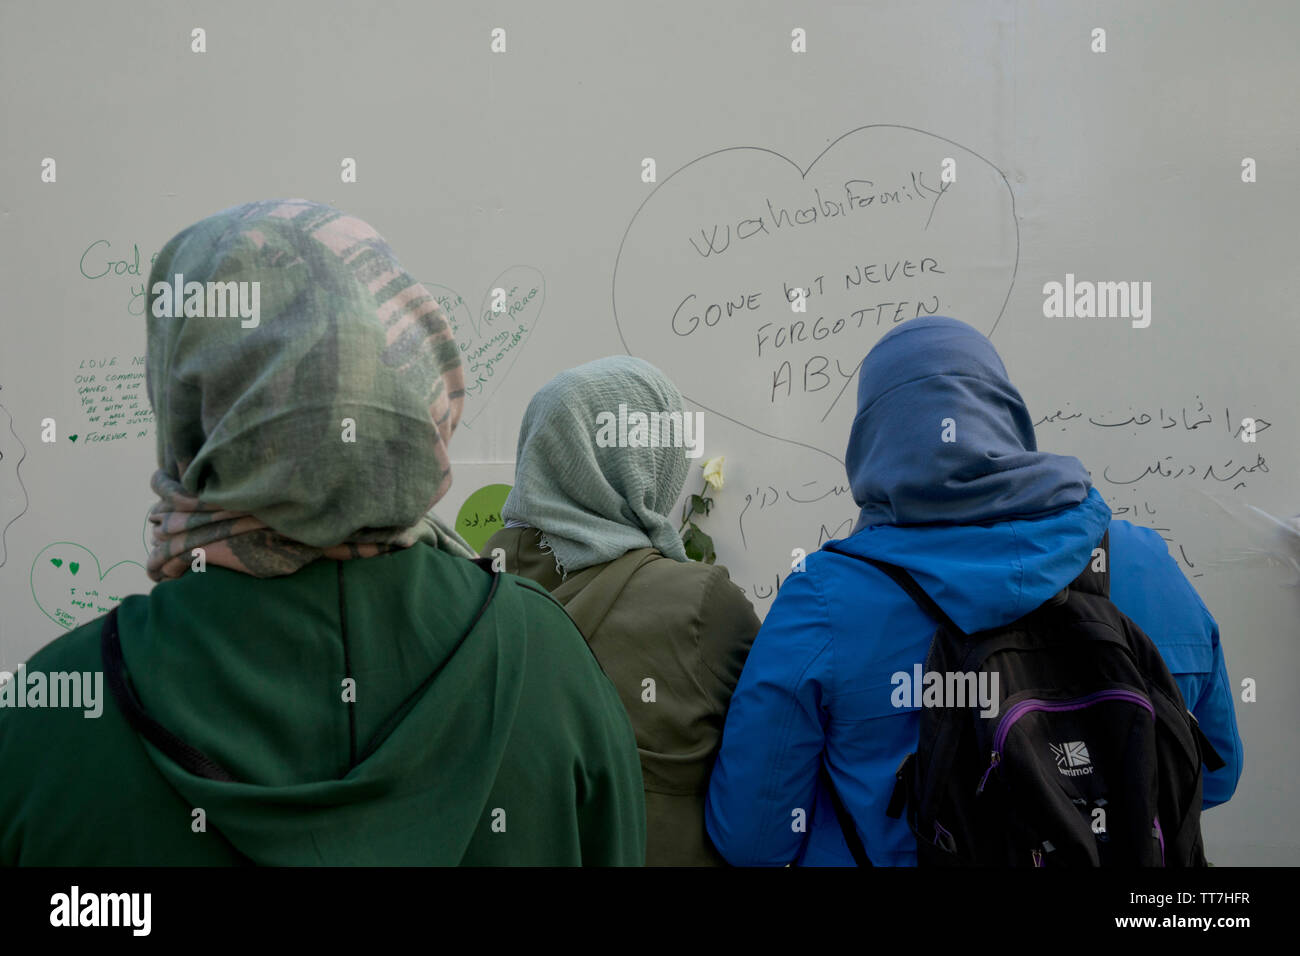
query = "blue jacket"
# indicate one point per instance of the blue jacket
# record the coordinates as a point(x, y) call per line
point(817, 683)
point(944, 465)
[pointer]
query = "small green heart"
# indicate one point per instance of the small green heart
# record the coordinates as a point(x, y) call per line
point(74, 567)
point(57, 562)
point(72, 438)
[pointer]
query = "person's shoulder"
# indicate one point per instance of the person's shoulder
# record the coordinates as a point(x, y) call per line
point(574, 686)
point(508, 539)
point(67, 676)
point(1141, 559)
point(28, 732)
point(1126, 537)
point(1142, 552)
point(75, 650)
point(690, 584)
point(531, 609)
point(535, 592)
point(831, 568)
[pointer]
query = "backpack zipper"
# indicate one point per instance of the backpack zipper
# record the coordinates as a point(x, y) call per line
point(939, 834)
point(1034, 703)
point(993, 762)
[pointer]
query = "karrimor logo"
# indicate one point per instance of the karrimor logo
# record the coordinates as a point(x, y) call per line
point(210, 300)
point(1072, 758)
point(654, 429)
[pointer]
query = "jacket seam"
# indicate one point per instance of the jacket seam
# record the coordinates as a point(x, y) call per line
point(1020, 572)
point(532, 588)
point(715, 579)
point(347, 670)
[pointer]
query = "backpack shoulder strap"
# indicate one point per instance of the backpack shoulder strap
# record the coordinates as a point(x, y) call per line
point(908, 583)
point(847, 827)
point(189, 758)
point(588, 595)
point(1209, 756)
point(1092, 581)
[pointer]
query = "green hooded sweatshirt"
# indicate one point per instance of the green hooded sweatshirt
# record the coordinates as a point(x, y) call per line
point(337, 683)
point(517, 752)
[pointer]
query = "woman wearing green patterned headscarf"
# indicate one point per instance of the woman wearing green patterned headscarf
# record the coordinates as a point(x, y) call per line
point(257, 464)
point(587, 518)
point(321, 670)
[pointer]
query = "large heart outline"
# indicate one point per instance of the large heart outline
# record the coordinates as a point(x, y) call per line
point(48, 591)
point(632, 314)
point(483, 368)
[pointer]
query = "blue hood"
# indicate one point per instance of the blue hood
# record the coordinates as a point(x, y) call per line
point(936, 378)
point(988, 575)
point(988, 525)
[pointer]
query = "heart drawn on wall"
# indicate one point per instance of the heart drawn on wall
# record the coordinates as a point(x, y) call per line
point(71, 588)
point(492, 337)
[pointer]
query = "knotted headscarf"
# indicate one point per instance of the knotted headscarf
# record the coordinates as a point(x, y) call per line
point(317, 427)
point(594, 501)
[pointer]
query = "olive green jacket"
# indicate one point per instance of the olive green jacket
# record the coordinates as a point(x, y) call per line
point(673, 637)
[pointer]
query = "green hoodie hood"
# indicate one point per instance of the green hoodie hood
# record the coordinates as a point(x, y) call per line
point(324, 781)
point(336, 656)
point(500, 743)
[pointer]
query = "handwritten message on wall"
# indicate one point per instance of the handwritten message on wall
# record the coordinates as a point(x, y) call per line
point(112, 400)
point(759, 283)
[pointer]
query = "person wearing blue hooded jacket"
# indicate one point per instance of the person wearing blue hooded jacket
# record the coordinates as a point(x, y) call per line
point(991, 528)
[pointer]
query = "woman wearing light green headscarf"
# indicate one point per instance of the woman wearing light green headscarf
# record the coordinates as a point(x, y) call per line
point(322, 676)
point(587, 518)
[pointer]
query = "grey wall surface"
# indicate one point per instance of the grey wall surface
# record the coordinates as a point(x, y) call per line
point(523, 170)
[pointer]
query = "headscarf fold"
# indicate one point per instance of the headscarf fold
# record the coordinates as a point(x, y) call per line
point(941, 435)
point(594, 503)
point(322, 430)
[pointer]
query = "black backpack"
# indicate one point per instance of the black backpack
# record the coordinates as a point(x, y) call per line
point(1092, 758)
